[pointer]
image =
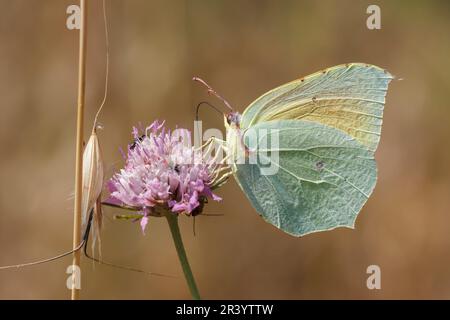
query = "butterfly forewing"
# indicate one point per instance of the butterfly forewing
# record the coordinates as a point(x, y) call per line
point(348, 97)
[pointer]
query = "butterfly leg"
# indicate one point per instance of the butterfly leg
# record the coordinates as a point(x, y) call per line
point(219, 181)
point(218, 145)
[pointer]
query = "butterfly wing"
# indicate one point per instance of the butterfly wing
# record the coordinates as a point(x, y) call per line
point(348, 97)
point(322, 179)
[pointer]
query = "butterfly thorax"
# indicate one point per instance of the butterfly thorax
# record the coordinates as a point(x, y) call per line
point(236, 150)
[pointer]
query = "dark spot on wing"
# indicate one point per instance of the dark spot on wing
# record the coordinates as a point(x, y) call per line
point(320, 165)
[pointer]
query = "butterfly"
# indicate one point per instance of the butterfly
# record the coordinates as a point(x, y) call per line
point(327, 128)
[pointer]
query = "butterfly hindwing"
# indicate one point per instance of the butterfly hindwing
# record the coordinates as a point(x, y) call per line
point(322, 179)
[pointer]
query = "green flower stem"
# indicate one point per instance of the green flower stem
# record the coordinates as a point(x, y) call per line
point(172, 219)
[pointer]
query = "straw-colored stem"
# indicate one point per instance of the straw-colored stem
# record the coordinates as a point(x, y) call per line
point(172, 219)
point(79, 143)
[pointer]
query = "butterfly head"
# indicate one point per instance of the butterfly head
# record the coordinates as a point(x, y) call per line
point(233, 119)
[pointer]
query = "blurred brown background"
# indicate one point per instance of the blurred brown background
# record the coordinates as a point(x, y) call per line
point(243, 48)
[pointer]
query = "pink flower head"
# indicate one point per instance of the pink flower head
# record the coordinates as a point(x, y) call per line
point(163, 169)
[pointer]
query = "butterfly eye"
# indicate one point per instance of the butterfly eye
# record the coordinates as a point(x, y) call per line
point(234, 117)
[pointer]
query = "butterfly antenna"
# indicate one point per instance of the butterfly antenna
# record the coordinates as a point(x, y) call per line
point(213, 92)
point(207, 103)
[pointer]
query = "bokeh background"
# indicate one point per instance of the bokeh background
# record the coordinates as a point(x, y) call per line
point(243, 48)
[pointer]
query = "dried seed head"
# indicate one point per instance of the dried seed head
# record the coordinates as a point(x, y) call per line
point(93, 174)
